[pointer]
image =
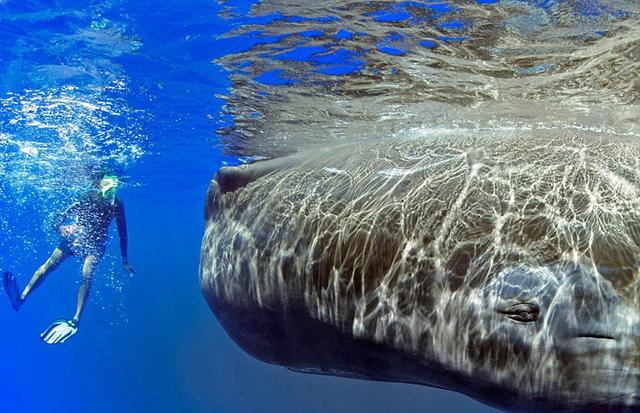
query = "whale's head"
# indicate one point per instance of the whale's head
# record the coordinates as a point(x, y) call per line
point(513, 279)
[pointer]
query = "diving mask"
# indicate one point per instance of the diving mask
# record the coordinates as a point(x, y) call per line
point(109, 188)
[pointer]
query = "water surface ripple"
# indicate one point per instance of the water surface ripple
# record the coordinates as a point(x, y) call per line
point(314, 73)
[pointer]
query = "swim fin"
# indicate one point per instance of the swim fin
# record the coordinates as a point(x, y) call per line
point(59, 331)
point(12, 290)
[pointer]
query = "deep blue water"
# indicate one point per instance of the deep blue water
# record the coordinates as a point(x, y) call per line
point(131, 87)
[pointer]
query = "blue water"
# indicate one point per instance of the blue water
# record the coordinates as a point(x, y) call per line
point(131, 87)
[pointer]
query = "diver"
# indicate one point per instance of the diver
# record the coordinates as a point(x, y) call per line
point(84, 232)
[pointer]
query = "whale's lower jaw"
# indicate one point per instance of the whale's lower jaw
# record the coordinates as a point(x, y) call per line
point(297, 341)
point(292, 339)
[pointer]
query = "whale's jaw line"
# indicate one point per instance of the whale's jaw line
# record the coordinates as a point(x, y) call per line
point(294, 340)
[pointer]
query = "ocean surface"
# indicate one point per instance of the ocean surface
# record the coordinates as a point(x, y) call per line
point(164, 93)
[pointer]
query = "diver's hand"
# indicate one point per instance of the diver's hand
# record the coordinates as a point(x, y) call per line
point(67, 230)
point(128, 267)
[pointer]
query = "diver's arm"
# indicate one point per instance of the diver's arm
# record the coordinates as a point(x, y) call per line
point(60, 218)
point(122, 231)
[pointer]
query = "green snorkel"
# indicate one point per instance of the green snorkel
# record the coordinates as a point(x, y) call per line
point(109, 188)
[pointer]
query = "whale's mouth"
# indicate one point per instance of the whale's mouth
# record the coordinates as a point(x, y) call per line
point(597, 336)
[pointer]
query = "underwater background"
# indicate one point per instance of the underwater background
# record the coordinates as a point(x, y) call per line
point(164, 93)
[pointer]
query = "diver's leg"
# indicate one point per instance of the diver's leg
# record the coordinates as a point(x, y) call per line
point(41, 273)
point(89, 267)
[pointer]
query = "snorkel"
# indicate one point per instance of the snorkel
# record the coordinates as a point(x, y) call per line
point(109, 188)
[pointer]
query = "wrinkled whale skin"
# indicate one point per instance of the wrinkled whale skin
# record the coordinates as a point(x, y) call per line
point(504, 268)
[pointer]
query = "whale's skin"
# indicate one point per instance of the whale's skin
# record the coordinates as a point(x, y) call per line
point(502, 267)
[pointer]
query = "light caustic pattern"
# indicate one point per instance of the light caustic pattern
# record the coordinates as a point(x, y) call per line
point(513, 264)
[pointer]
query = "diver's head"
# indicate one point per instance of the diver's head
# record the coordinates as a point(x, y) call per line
point(109, 188)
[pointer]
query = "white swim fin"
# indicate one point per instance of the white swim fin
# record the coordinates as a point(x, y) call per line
point(59, 331)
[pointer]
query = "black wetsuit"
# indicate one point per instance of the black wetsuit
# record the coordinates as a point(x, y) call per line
point(93, 216)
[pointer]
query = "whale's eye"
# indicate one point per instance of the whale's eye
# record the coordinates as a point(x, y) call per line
point(523, 312)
